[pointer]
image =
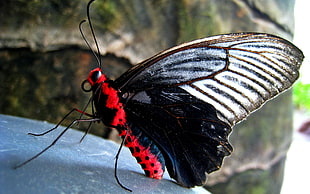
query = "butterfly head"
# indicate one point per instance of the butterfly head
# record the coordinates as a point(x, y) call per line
point(94, 79)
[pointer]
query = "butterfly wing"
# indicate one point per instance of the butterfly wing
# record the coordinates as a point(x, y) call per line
point(236, 73)
point(187, 98)
point(187, 130)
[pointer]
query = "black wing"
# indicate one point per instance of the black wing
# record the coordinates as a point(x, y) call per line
point(178, 96)
point(186, 130)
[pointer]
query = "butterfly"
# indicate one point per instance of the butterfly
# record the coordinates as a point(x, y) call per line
point(176, 109)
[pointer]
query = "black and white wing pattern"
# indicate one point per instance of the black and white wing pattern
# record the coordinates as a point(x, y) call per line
point(236, 73)
point(187, 98)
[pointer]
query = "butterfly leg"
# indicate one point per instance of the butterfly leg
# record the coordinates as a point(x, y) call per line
point(91, 120)
point(59, 123)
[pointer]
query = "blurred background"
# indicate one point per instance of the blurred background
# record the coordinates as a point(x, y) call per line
point(296, 168)
point(43, 61)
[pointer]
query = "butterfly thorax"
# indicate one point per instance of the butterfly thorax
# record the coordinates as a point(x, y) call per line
point(106, 100)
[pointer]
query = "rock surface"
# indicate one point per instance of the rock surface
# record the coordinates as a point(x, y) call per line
point(69, 166)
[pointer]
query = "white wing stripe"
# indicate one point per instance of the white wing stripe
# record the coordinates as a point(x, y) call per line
point(225, 91)
point(265, 79)
point(261, 62)
point(225, 112)
point(249, 88)
point(279, 63)
point(222, 98)
point(215, 89)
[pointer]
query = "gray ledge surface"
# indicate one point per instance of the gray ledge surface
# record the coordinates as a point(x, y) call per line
point(69, 166)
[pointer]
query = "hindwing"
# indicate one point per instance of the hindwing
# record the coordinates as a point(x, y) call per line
point(186, 130)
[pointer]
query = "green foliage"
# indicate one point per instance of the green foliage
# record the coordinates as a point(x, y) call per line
point(301, 95)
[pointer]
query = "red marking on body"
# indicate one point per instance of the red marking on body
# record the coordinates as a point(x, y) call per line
point(112, 101)
point(148, 161)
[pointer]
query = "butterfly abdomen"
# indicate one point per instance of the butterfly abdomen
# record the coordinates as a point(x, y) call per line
point(146, 153)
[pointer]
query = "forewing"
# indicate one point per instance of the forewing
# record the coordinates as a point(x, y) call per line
point(236, 73)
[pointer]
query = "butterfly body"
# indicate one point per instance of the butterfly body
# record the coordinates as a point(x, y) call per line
point(111, 111)
point(177, 109)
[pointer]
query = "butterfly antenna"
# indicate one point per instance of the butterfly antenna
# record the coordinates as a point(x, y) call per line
point(82, 33)
point(93, 32)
